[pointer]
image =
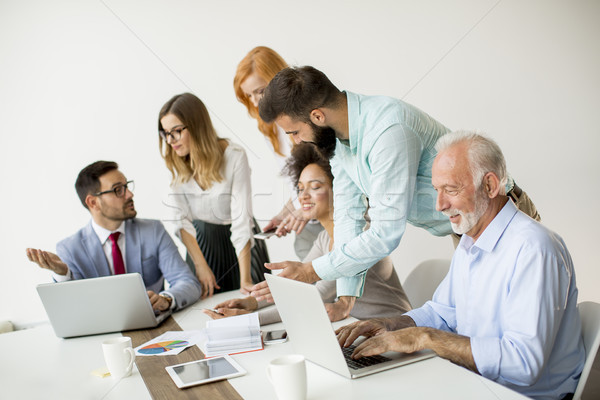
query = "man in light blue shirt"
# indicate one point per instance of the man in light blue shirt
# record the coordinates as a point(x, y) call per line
point(507, 308)
point(383, 155)
point(384, 149)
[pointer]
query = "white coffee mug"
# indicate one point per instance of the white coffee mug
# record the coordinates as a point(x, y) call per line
point(288, 377)
point(119, 356)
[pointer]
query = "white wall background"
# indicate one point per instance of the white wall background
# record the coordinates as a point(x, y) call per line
point(84, 80)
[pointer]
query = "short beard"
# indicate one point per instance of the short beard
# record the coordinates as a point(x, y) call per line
point(127, 213)
point(324, 140)
point(469, 220)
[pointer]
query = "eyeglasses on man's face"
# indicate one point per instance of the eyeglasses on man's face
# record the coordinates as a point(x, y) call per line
point(119, 190)
point(175, 133)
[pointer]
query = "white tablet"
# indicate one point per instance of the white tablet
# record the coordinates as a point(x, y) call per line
point(204, 371)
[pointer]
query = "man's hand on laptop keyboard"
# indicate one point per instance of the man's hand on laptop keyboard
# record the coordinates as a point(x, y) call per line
point(385, 334)
point(303, 272)
point(158, 302)
point(347, 334)
point(406, 340)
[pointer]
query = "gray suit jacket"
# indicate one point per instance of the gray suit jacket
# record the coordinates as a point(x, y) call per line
point(149, 250)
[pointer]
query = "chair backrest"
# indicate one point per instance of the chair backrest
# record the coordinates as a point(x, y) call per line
point(421, 283)
point(590, 330)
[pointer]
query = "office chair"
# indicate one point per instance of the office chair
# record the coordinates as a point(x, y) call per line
point(590, 330)
point(422, 281)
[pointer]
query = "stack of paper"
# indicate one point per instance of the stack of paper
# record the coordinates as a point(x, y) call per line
point(232, 335)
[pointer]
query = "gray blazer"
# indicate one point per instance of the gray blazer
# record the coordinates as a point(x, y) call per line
point(149, 250)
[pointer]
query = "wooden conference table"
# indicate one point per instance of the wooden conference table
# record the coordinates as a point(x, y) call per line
point(34, 364)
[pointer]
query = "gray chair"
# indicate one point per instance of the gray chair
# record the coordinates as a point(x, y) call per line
point(590, 330)
point(421, 283)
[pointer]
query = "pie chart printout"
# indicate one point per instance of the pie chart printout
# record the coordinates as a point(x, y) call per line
point(161, 347)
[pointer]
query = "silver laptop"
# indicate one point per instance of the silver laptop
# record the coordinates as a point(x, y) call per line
point(99, 305)
point(311, 334)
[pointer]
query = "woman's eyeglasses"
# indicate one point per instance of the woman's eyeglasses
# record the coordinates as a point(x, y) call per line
point(175, 133)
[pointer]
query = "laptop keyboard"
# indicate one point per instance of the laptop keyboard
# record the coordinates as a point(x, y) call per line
point(361, 362)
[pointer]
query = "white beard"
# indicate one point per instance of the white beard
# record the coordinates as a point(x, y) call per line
point(468, 220)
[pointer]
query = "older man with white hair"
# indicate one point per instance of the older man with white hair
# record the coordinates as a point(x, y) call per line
point(507, 308)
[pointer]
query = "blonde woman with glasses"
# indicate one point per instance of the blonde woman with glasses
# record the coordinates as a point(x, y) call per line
point(210, 199)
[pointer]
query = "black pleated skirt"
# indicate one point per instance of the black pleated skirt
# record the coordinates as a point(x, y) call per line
point(215, 243)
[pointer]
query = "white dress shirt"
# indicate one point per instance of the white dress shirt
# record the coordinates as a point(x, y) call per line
point(103, 234)
point(225, 202)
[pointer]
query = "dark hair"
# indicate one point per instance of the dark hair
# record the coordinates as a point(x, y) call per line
point(304, 154)
point(295, 92)
point(88, 180)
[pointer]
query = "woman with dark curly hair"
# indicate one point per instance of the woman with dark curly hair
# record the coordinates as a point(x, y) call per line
point(383, 295)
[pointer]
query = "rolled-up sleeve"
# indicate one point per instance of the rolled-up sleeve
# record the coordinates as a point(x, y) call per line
point(349, 209)
point(393, 163)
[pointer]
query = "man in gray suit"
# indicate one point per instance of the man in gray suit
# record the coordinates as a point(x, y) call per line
point(97, 249)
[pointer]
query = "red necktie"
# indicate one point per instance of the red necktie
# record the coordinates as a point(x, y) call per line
point(116, 254)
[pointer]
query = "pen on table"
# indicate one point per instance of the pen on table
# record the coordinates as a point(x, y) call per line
point(214, 310)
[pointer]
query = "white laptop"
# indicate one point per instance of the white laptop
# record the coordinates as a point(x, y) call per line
point(99, 305)
point(312, 335)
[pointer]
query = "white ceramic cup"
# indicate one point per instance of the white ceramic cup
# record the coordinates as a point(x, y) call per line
point(288, 377)
point(119, 356)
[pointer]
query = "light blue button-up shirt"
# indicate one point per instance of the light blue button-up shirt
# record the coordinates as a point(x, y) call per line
point(387, 159)
point(513, 292)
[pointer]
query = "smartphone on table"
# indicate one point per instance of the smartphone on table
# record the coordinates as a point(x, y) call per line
point(272, 337)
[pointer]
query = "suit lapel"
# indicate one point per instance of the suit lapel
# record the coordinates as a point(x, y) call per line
point(93, 249)
point(133, 248)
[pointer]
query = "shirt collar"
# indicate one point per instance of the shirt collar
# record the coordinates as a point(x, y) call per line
point(104, 233)
point(492, 233)
point(353, 123)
